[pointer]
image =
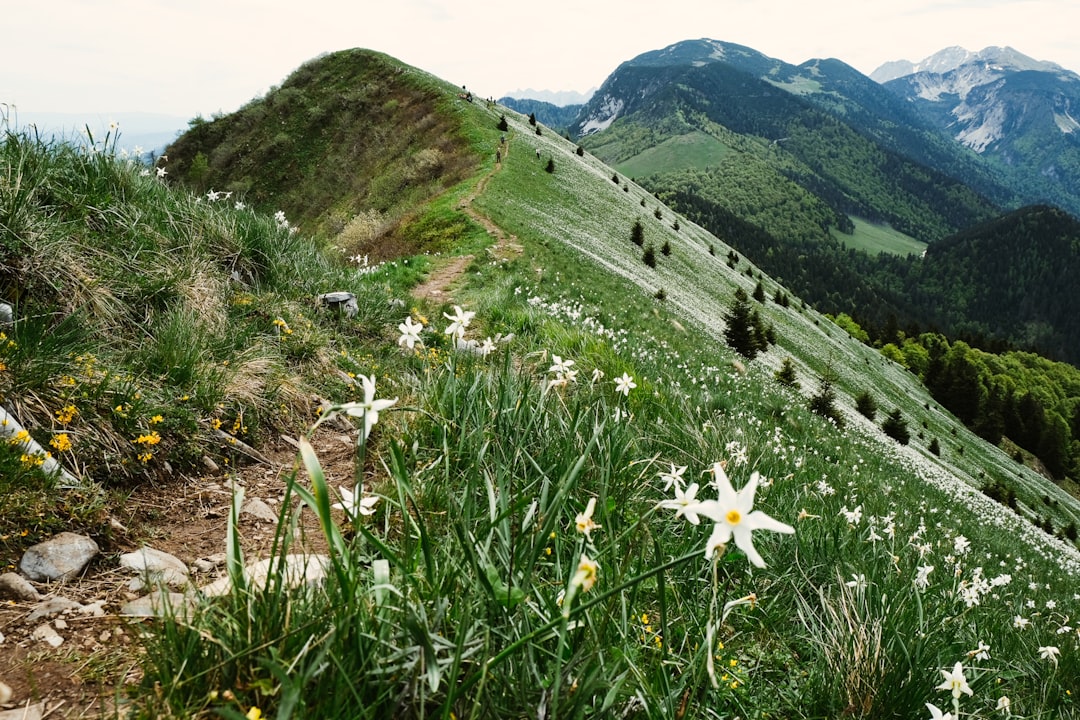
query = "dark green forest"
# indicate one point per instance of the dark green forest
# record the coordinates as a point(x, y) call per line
point(975, 319)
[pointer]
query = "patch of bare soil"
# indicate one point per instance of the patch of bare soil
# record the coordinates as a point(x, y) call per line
point(438, 284)
point(87, 674)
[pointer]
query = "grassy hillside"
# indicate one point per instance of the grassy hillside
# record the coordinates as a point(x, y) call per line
point(874, 238)
point(532, 542)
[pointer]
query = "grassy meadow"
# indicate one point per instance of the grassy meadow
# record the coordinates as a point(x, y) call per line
point(873, 238)
point(575, 499)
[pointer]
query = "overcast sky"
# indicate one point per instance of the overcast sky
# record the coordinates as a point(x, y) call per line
point(191, 57)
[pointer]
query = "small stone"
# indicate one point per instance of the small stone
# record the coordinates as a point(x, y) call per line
point(60, 624)
point(16, 587)
point(5, 694)
point(298, 570)
point(105, 636)
point(341, 301)
point(259, 510)
point(154, 568)
point(94, 609)
point(52, 606)
point(46, 634)
point(157, 604)
point(61, 557)
point(30, 712)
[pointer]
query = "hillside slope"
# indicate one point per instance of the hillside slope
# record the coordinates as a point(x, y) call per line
point(349, 131)
point(543, 453)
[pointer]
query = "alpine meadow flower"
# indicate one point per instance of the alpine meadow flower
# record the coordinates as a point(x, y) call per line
point(370, 408)
point(1049, 652)
point(955, 681)
point(733, 515)
point(585, 576)
point(559, 366)
point(936, 714)
point(625, 384)
point(355, 504)
point(922, 579)
point(584, 522)
point(410, 333)
point(459, 322)
point(685, 503)
point(673, 478)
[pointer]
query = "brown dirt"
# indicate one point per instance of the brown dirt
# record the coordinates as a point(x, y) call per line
point(438, 284)
point(186, 517)
point(99, 659)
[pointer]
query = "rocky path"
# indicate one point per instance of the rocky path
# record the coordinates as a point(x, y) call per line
point(437, 285)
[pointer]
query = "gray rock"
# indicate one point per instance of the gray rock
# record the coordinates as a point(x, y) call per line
point(207, 564)
point(259, 510)
point(298, 570)
point(341, 301)
point(16, 587)
point(61, 557)
point(52, 606)
point(6, 313)
point(47, 634)
point(160, 603)
point(5, 694)
point(155, 567)
point(30, 712)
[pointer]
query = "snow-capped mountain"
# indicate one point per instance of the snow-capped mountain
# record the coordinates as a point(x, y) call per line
point(1002, 104)
point(954, 57)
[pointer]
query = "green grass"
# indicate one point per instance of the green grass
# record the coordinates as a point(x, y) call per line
point(683, 152)
point(446, 601)
point(873, 238)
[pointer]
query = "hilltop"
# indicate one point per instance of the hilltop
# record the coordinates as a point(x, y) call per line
point(551, 420)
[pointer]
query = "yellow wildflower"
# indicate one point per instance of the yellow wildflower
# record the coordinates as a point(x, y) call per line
point(61, 442)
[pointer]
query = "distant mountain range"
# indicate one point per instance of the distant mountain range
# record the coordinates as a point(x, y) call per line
point(559, 98)
point(1021, 114)
point(789, 163)
point(1011, 121)
point(150, 131)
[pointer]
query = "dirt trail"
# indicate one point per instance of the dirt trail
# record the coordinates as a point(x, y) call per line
point(187, 520)
point(506, 245)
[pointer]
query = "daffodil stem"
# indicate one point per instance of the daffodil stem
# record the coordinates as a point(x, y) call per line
point(546, 627)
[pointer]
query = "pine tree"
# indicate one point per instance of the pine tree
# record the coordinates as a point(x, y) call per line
point(649, 257)
point(759, 293)
point(532, 118)
point(550, 167)
point(503, 125)
point(666, 248)
point(740, 332)
point(786, 374)
point(824, 402)
point(866, 405)
point(896, 427)
point(637, 233)
point(580, 151)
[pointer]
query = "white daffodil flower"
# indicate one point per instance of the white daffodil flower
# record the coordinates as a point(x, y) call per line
point(955, 681)
point(370, 408)
point(625, 384)
point(584, 522)
point(459, 321)
point(735, 517)
point(936, 714)
point(356, 504)
point(410, 333)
